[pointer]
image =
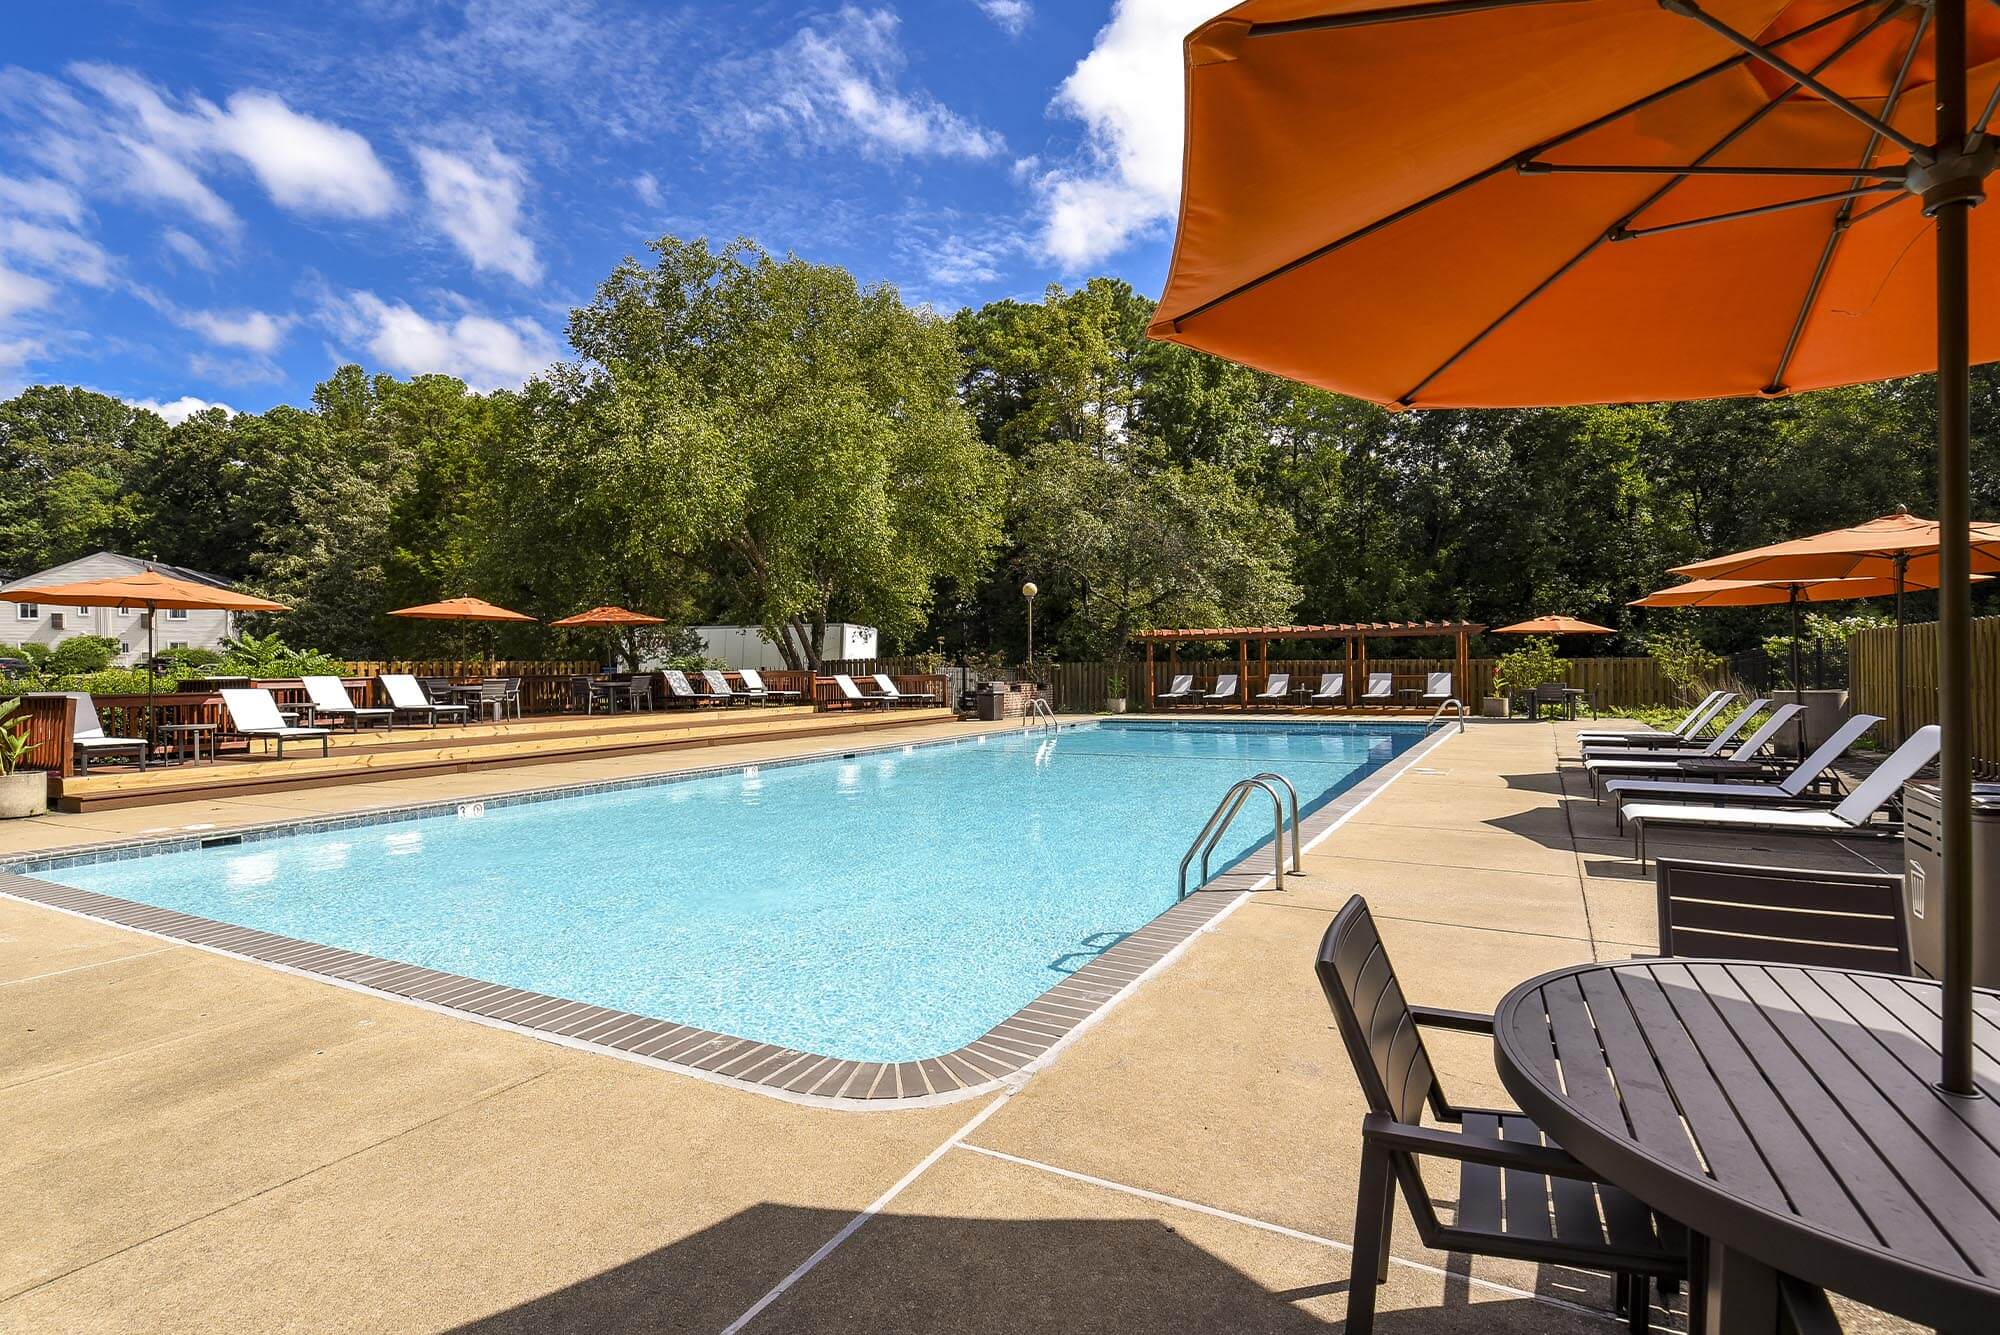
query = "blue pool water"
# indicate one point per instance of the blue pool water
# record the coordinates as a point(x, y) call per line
point(887, 907)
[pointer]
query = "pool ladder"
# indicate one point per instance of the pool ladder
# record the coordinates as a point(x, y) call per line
point(1439, 717)
point(1225, 811)
point(1039, 714)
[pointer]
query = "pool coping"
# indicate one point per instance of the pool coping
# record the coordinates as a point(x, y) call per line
point(1019, 1044)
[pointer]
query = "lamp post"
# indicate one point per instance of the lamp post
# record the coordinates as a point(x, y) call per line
point(1029, 591)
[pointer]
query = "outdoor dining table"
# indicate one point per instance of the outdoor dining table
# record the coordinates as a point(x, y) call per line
point(1787, 1115)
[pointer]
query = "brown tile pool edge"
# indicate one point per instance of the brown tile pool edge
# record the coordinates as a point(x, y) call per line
point(1011, 1048)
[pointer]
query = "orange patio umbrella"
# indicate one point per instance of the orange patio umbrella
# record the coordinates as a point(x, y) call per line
point(619, 618)
point(1510, 203)
point(460, 609)
point(151, 590)
point(1899, 547)
point(1555, 625)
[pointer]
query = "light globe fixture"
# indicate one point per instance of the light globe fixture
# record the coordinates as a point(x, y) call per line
point(1029, 591)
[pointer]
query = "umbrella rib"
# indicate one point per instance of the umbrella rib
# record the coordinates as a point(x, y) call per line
point(1412, 209)
point(1883, 207)
point(1688, 9)
point(1742, 128)
point(1366, 18)
point(1533, 168)
point(1846, 218)
point(1734, 215)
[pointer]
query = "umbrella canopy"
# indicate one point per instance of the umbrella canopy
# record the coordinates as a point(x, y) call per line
point(1555, 625)
point(1511, 203)
point(149, 589)
point(1766, 593)
point(610, 616)
point(1877, 547)
point(460, 609)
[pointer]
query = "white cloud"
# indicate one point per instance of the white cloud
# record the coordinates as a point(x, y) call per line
point(178, 410)
point(837, 82)
point(304, 164)
point(41, 197)
point(253, 331)
point(189, 249)
point(1011, 15)
point(55, 251)
point(475, 197)
point(21, 292)
point(137, 140)
point(647, 187)
point(485, 352)
point(1128, 94)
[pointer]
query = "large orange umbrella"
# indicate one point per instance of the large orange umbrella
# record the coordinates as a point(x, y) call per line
point(619, 618)
point(1555, 625)
point(1898, 546)
point(460, 609)
point(151, 590)
point(1510, 203)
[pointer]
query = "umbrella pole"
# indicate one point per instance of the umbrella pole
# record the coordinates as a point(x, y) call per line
point(1950, 209)
point(1798, 679)
point(1896, 710)
point(152, 728)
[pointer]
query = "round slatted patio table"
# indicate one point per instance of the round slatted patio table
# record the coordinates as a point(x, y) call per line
point(1787, 1115)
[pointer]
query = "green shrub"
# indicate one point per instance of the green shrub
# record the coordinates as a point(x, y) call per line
point(1529, 666)
point(267, 656)
point(81, 653)
point(1685, 663)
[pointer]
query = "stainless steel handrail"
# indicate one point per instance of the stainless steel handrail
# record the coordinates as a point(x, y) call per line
point(1298, 854)
point(1449, 704)
point(1038, 711)
point(1225, 811)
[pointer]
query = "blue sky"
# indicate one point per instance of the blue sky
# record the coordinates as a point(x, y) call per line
point(219, 202)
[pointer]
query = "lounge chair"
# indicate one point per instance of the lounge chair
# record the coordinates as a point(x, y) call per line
point(719, 687)
point(890, 691)
point(253, 712)
point(1690, 750)
point(1789, 790)
point(1224, 692)
point(1783, 915)
point(1381, 689)
point(1553, 1208)
point(1181, 692)
point(330, 701)
point(88, 736)
point(1332, 689)
point(754, 687)
point(406, 697)
point(853, 695)
point(680, 689)
point(1438, 689)
point(1850, 817)
point(1665, 760)
point(1689, 728)
point(1277, 689)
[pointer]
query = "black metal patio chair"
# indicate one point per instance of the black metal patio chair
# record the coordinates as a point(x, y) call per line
point(1783, 915)
point(1552, 1210)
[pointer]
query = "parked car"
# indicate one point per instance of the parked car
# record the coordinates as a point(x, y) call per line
point(11, 668)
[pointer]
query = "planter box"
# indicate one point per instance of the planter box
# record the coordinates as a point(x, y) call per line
point(22, 794)
point(1493, 706)
point(1115, 706)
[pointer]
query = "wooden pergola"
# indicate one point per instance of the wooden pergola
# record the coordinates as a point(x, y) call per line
point(1355, 633)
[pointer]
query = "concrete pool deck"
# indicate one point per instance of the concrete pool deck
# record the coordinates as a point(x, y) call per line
point(198, 1142)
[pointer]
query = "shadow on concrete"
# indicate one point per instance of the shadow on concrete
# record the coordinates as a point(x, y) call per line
point(928, 1273)
point(1534, 783)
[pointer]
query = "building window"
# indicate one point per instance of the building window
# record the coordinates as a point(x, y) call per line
point(177, 614)
point(55, 621)
point(124, 647)
point(177, 644)
point(27, 612)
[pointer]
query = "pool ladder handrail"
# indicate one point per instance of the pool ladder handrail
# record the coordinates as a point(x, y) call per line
point(1225, 811)
point(1452, 703)
point(1039, 713)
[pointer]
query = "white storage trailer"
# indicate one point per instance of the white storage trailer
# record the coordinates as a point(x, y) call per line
point(750, 647)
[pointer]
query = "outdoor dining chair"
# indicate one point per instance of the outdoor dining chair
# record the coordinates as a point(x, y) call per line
point(1554, 1210)
point(1783, 915)
point(639, 692)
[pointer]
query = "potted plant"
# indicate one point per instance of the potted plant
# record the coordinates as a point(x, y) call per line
point(1114, 693)
point(22, 792)
point(1533, 664)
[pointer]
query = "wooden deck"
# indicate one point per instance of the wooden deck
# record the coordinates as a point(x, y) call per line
point(372, 756)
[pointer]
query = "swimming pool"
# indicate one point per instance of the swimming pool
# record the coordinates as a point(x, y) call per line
point(880, 907)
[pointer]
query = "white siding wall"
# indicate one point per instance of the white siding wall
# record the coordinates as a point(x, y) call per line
point(23, 624)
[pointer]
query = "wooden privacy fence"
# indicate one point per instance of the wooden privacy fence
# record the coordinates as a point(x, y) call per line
point(1871, 673)
point(1617, 683)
